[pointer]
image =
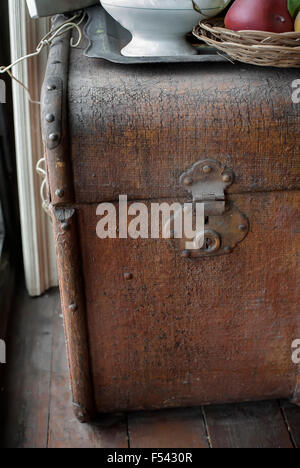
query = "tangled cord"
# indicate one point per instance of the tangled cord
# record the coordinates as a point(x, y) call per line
point(47, 40)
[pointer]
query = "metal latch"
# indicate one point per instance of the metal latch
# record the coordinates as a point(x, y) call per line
point(225, 225)
point(207, 181)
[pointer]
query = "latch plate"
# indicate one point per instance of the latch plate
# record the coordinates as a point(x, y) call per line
point(222, 233)
point(225, 225)
point(207, 181)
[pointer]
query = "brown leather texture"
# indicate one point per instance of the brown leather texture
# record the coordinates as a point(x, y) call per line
point(166, 331)
point(135, 130)
point(182, 332)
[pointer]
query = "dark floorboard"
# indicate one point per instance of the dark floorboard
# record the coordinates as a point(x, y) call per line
point(36, 410)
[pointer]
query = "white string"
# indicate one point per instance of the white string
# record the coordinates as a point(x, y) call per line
point(44, 185)
point(47, 41)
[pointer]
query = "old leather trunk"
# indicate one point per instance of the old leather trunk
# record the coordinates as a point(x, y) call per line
point(147, 328)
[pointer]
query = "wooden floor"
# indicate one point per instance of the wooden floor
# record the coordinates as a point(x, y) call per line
point(36, 406)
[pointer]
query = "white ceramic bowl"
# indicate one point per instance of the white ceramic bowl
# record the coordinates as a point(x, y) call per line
point(158, 27)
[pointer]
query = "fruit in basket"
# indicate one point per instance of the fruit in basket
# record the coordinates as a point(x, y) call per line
point(297, 23)
point(294, 9)
point(260, 15)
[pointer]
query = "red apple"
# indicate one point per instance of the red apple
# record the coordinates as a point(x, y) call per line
point(260, 15)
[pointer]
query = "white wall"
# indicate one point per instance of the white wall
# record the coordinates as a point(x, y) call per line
point(37, 239)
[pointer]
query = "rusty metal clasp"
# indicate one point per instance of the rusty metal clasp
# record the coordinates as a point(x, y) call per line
point(225, 225)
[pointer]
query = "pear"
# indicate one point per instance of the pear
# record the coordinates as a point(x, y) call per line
point(297, 23)
point(260, 15)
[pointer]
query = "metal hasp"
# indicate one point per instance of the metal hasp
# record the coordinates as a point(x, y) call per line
point(225, 225)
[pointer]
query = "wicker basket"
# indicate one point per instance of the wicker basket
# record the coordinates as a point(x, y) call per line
point(255, 47)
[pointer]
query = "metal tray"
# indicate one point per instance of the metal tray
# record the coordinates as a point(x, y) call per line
point(40, 8)
point(107, 38)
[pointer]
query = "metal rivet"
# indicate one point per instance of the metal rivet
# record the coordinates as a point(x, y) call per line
point(186, 254)
point(226, 178)
point(227, 249)
point(242, 227)
point(50, 118)
point(59, 193)
point(207, 169)
point(128, 276)
point(73, 307)
point(51, 87)
point(65, 226)
point(188, 181)
point(53, 137)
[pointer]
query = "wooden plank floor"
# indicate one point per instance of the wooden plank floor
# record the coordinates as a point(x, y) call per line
point(36, 406)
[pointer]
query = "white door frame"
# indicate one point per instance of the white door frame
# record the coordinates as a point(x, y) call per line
point(37, 239)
